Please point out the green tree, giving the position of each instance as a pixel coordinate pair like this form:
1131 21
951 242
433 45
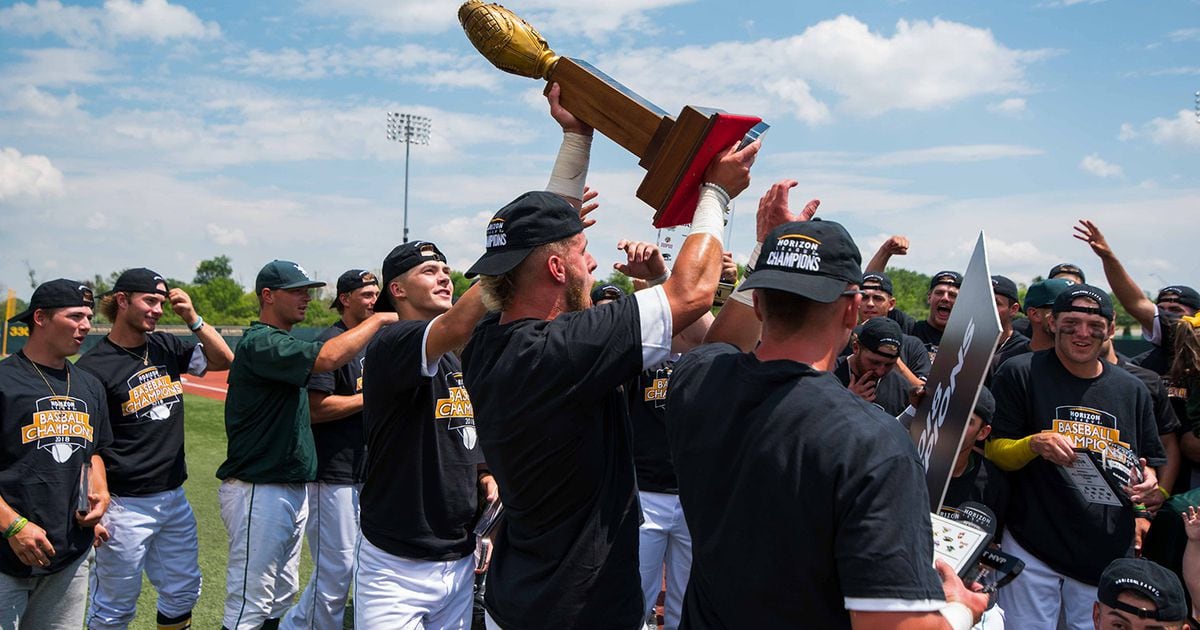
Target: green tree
911 289
461 284
213 269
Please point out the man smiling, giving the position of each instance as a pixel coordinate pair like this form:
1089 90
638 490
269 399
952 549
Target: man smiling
271 454
1056 409
943 292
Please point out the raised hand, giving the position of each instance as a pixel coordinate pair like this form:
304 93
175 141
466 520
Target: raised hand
1191 523
895 246
730 169
564 118
589 204
181 303
644 260
1087 232
773 209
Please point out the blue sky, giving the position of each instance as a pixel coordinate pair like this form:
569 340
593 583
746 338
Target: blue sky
148 133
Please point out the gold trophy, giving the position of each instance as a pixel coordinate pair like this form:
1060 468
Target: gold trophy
675 151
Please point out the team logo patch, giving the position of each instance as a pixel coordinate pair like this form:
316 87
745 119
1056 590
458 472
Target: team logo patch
495 234
656 394
302 271
152 395
457 410
358 381
60 425
796 251
1096 431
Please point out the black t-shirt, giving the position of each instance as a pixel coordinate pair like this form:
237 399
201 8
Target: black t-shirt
145 409
798 494
912 353
905 320
647 396
1164 414
555 431
1111 414
421 493
1015 344
981 482
47 438
930 336
341 446
891 391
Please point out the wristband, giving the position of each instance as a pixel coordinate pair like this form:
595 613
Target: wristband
196 325
16 527
653 282
1166 495
959 616
723 194
709 217
571 166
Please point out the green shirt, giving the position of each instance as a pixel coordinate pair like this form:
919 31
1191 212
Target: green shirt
267 423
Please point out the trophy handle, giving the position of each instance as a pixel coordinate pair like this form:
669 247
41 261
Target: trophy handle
614 110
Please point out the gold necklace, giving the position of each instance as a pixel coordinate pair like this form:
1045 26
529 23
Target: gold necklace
66 367
145 353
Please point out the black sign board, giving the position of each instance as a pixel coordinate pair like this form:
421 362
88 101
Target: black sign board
962 361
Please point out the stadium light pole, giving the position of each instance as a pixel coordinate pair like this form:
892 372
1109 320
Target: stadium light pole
409 129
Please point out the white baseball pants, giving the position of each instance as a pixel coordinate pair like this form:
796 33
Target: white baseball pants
403 594
1033 599
664 538
332 534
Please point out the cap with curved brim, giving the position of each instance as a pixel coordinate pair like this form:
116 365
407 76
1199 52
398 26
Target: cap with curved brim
813 287
311 284
500 262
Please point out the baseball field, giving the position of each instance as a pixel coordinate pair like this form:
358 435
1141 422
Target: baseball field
205 427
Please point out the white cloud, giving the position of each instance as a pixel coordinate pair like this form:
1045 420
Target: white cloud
225 236
923 65
1068 3
1184 35
1096 166
57 67
39 102
558 20
1008 107
952 154
411 62
117 20
1181 131
29 177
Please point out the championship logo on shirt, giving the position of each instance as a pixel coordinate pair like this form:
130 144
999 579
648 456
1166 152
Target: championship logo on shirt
1176 389
657 392
1096 431
61 425
152 395
358 381
457 410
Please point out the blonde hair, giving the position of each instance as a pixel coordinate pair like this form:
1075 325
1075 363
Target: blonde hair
107 307
499 292
1186 363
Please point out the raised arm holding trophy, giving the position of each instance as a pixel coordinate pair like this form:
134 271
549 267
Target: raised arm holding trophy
674 150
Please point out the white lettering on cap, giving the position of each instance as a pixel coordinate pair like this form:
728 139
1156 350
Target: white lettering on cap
495 234
796 251
302 271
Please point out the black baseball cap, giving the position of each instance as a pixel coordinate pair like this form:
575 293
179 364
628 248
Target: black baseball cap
1186 296
1003 286
1103 308
952 278
352 280
877 280
1070 268
1148 579
533 219
139 280
283 274
985 405
812 259
607 292
402 258
1042 294
882 336
60 293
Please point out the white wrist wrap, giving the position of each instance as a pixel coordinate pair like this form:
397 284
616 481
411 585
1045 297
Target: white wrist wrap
958 615
571 166
710 213
653 282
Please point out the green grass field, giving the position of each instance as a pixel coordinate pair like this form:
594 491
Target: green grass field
205 428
